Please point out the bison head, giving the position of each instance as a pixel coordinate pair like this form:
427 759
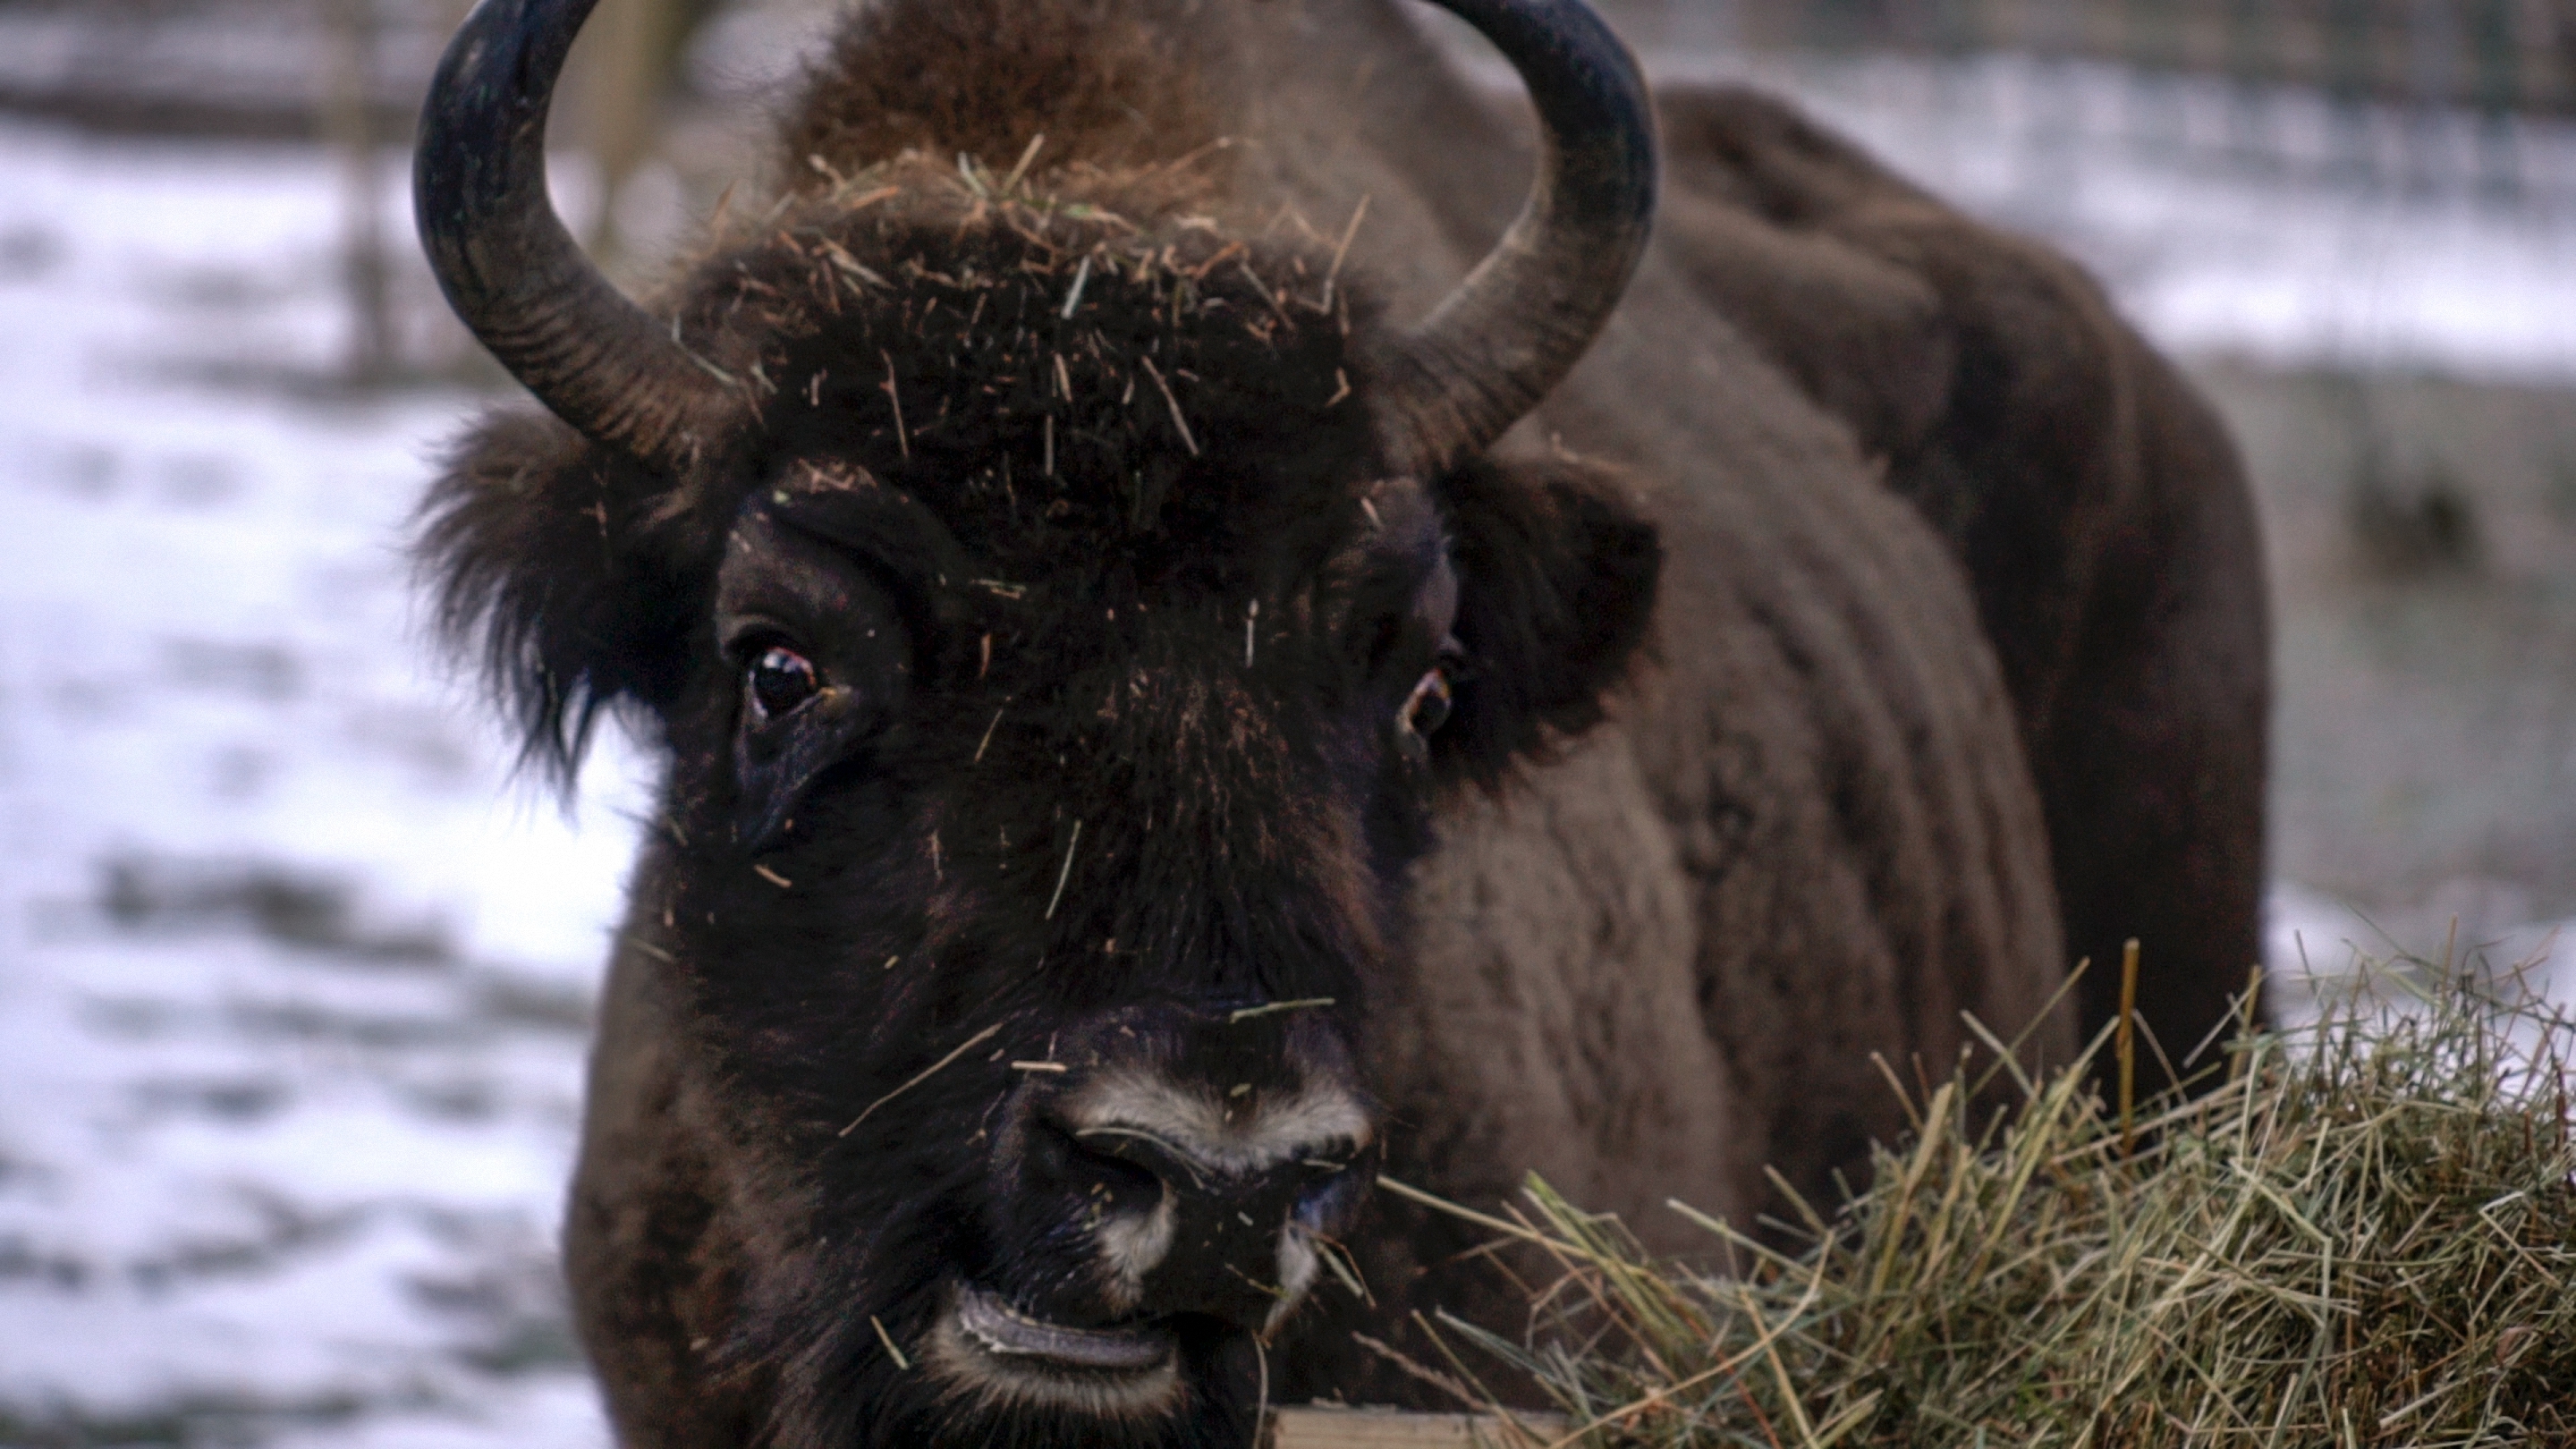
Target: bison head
1063 618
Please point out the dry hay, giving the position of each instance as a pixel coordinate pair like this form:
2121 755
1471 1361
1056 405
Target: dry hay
2364 1234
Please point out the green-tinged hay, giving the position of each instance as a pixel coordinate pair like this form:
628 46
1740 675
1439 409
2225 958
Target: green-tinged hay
2365 1235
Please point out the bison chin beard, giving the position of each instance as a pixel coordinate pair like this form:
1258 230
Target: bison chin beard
954 1389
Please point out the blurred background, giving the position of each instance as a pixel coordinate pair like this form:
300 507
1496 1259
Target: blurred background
294 974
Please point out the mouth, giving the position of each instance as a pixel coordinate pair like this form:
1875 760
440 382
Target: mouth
985 1320
989 1351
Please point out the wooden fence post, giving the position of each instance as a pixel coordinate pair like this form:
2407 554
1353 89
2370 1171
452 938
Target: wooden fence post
1323 1427
349 126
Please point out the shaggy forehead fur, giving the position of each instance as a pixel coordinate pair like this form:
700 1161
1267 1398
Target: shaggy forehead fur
1146 406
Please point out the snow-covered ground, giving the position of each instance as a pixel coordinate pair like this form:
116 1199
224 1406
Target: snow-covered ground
293 977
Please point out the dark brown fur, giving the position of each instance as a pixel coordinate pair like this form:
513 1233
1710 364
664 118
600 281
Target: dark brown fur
1121 89
1954 624
2094 498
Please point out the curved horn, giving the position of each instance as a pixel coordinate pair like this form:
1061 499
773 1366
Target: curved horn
510 270
1526 314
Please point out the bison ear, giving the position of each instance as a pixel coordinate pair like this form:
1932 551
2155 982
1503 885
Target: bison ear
1557 575
560 566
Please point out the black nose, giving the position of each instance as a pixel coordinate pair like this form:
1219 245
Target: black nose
1243 1237
1186 1162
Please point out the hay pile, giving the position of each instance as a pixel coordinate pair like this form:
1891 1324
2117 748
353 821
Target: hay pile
2364 1235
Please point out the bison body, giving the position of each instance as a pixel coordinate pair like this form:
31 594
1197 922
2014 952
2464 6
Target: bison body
1149 753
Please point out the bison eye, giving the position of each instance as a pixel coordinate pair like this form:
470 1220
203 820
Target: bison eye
780 680
1427 708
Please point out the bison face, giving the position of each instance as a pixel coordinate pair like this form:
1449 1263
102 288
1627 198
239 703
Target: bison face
1040 910
1060 674
1025 869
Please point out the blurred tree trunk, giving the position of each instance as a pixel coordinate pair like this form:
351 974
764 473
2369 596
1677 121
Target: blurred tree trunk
635 48
349 122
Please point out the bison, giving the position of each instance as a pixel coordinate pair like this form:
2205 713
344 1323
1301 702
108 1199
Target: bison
1201 659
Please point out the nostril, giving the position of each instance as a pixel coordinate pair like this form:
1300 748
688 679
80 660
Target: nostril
1121 1175
1099 1168
1145 1151
1331 1196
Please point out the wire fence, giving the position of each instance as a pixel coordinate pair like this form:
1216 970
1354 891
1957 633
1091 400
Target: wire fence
2404 95
2495 56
